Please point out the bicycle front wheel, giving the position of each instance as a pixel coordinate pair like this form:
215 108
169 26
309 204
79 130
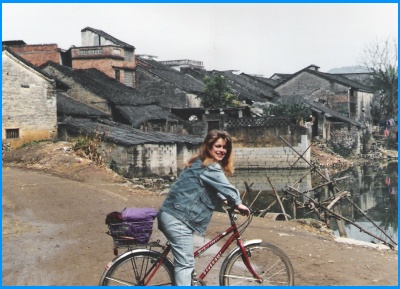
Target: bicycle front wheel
268 261
139 269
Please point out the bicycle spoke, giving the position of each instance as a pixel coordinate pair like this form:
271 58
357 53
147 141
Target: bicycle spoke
269 262
120 281
134 269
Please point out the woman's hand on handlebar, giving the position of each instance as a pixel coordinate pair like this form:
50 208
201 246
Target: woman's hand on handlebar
243 210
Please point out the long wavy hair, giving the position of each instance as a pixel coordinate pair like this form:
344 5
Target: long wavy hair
205 151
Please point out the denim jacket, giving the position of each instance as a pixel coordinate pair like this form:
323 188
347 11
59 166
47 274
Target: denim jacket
198 190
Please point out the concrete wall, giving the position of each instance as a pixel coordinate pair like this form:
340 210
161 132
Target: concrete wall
28 103
165 159
272 157
149 159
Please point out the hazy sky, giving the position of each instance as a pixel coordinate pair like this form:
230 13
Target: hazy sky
252 38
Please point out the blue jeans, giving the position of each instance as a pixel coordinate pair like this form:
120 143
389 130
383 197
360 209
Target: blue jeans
180 236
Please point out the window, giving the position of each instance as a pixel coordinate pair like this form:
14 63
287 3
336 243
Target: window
117 74
12 133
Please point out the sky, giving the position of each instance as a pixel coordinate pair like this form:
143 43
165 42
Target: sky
261 39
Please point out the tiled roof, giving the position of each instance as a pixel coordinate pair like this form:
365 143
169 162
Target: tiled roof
330 77
282 76
244 90
136 115
181 80
268 81
319 107
235 89
344 80
254 87
109 37
103 86
126 135
71 107
13 42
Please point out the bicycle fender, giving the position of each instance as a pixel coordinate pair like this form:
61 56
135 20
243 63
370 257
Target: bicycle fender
249 242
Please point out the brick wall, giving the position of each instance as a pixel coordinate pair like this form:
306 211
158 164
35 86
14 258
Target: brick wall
143 160
108 60
28 103
38 54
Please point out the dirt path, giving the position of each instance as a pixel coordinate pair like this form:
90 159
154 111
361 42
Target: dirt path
53 234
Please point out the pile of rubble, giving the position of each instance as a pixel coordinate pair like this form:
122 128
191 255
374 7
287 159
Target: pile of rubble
322 156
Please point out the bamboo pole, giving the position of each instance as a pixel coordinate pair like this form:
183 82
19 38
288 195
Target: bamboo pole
278 198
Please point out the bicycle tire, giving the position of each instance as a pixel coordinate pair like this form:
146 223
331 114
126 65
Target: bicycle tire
269 262
131 269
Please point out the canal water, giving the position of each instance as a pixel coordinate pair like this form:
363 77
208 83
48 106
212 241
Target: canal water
373 189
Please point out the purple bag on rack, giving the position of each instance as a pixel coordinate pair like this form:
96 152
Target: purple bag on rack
139 223
138 214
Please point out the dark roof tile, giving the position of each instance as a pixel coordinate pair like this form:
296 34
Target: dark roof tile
71 107
109 37
126 135
136 115
104 86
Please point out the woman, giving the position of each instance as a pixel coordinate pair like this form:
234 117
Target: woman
188 207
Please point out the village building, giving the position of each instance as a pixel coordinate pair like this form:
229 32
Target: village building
115 100
246 90
106 53
341 107
279 77
183 63
29 107
338 93
103 83
37 54
268 81
137 153
170 87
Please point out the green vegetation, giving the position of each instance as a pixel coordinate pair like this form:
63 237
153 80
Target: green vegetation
33 143
295 111
217 94
90 146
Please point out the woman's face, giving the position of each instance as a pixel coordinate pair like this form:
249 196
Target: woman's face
218 150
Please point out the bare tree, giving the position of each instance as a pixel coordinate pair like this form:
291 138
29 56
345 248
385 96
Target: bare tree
380 57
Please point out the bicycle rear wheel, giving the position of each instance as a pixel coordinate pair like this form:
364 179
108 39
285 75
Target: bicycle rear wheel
135 269
267 260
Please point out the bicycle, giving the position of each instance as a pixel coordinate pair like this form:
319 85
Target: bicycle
251 263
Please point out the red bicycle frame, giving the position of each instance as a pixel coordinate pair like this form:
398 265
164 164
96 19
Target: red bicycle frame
235 235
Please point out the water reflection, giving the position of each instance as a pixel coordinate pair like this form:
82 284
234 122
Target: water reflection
373 189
